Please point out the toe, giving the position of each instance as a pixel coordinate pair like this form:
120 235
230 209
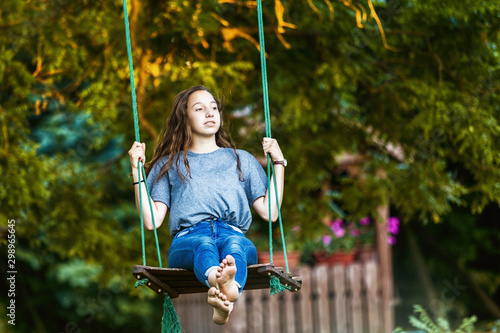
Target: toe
213 292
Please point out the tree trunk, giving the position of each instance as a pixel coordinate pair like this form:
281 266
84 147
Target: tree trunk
488 303
422 271
385 257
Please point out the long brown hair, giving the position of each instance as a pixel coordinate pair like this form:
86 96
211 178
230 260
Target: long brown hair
176 136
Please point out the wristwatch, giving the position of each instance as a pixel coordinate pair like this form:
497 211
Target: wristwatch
282 162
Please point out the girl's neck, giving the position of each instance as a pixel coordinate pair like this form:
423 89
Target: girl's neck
201 146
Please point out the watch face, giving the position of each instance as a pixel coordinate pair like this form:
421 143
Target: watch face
283 162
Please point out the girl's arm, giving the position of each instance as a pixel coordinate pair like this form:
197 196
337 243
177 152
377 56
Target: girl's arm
138 152
261 205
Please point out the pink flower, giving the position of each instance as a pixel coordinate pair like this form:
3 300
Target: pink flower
327 240
364 221
393 225
355 232
337 227
296 228
336 224
391 239
339 233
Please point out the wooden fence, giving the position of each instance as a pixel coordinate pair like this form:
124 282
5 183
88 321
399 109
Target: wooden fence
340 299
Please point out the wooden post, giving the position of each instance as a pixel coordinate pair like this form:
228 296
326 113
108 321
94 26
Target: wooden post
306 301
320 277
340 306
273 316
238 319
385 258
353 275
371 280
290 313
255 315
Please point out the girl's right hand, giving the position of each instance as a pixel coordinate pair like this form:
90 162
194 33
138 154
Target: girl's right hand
137 152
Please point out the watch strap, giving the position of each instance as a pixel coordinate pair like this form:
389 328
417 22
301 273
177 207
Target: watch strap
282 162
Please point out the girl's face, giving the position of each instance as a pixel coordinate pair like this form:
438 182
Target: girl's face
203 113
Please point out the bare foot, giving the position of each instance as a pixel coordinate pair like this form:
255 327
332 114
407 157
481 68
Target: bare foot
225 279
222 307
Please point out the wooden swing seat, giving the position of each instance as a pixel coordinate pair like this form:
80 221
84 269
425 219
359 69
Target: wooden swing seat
177 281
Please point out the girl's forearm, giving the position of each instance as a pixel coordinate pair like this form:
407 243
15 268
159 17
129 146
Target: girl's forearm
140 189
279 174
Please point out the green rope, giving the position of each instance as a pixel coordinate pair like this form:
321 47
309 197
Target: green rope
142 216
140 166
141 282
275 284
131 70
169 320
265 90
152 217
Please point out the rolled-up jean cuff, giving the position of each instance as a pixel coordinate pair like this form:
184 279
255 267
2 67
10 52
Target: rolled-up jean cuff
240 290
206 275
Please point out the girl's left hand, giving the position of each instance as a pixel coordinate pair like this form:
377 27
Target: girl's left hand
272 147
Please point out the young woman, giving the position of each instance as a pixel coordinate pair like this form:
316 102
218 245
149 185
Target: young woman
208 186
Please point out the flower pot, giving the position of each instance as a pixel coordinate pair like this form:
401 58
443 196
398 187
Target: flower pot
279 258
337 258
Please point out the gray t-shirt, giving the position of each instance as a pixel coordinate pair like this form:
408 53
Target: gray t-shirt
213 191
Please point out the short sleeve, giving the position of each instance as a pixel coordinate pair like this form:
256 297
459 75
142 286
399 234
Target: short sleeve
255 180
159 190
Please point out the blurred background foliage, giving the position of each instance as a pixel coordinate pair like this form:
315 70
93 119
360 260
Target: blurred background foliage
409 87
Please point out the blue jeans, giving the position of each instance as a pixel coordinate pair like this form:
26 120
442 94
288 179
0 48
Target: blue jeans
202 247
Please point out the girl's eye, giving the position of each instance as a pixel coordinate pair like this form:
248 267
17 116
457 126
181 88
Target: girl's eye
199 109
